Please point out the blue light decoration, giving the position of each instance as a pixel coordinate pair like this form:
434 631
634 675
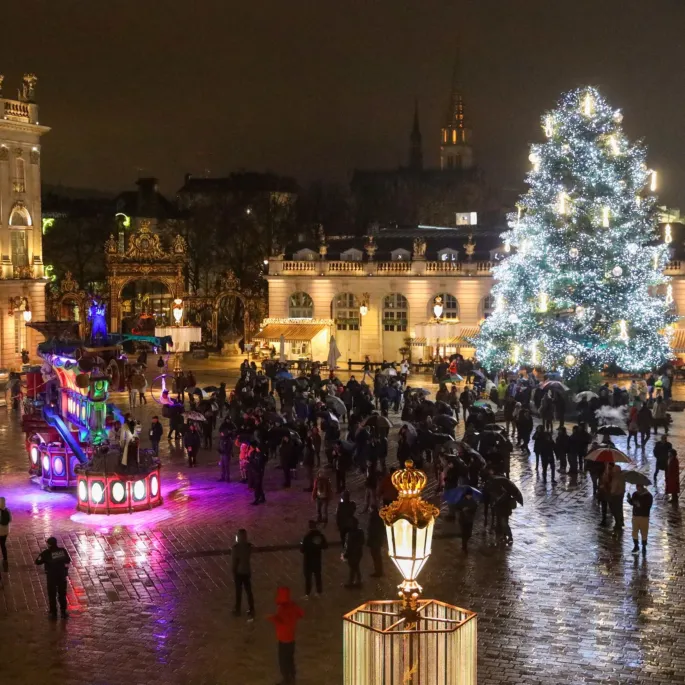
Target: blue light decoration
583 284
97 317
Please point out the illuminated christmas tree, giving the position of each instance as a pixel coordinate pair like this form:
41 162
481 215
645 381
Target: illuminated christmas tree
583 283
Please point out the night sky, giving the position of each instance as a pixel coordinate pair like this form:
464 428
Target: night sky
315 88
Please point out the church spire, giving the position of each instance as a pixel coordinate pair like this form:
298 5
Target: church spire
415 143
455 144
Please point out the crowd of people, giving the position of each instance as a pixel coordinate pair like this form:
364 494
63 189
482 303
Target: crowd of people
317 430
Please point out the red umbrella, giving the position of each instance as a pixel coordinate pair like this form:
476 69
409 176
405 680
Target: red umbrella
607 455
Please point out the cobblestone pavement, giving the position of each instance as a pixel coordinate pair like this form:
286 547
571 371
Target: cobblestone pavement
151 594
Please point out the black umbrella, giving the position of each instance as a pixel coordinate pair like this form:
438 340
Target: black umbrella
274 417
439 438
444 408
445 422
611 430
509 487
378 421
211 388
495 427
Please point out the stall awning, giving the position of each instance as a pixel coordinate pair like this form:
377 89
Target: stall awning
678 340
460 340
292 332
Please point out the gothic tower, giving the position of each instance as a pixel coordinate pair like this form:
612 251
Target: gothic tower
455 142
415 144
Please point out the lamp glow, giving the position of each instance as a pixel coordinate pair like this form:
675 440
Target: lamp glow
437 307
178 310
27 315
653 184
409 524
605 217
668 235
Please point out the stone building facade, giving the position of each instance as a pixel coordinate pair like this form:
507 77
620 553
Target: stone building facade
22 277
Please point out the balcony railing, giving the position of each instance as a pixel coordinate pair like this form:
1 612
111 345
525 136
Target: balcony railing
443 267
345 267
299 266
417 267
393 267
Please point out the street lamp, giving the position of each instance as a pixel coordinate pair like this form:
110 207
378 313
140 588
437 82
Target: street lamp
437 307
178 310
27 314
364 306
411 640
409 523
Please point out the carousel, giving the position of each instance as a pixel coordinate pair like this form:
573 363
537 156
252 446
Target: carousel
75 437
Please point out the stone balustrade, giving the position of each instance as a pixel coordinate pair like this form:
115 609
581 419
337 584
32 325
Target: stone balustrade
418 267
674 267
14 110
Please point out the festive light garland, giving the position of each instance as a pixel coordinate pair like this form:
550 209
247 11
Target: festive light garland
584 280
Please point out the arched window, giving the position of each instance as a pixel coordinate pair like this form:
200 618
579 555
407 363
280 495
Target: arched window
395 312
20 216
346 312
449 304
300 306
19 248
487 306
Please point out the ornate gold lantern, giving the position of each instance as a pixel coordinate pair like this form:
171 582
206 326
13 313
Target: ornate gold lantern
409 525
409 641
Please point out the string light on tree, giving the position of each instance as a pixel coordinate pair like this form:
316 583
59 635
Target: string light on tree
543 302
669 295
592 175
570 360
535 161
668 235
623 330
605 217
652 183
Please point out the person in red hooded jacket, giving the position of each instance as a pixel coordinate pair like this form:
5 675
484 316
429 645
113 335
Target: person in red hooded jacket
285 620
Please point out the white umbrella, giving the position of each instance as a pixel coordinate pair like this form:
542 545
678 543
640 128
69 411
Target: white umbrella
389 371
281 344
587 394
333 354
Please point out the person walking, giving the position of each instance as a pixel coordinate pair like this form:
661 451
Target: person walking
258 459
321 494
641 501
312 546
241 555
467 514
644 423
191 441
633 426
604 489
56 561
660 415
673 477
353 552
546 448
375 541
616 494
156 432
370 487
226 433
344 515
285 453
285 621
662 448
5 521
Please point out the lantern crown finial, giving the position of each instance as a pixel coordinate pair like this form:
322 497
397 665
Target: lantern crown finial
409 481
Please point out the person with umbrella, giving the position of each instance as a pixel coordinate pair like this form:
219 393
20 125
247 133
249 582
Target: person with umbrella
662 449
524 427
503 507
191 441
673 477
641 502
